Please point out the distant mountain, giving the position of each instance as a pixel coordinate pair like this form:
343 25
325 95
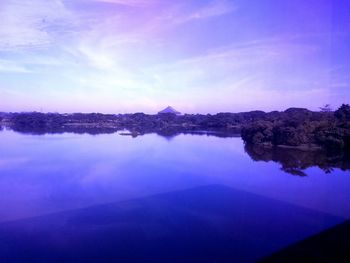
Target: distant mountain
169 109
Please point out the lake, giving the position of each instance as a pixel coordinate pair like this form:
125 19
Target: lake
187 198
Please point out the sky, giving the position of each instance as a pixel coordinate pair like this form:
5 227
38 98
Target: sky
199 56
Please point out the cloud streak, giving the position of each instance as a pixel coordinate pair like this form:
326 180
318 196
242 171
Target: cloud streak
131 3
213 9
7 66
29 24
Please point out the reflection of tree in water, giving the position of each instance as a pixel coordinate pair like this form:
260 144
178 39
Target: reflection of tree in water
168 132
76 130
296 161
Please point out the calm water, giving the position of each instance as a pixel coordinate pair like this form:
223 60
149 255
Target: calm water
189 198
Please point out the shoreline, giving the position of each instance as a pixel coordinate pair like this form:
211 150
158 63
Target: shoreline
294 128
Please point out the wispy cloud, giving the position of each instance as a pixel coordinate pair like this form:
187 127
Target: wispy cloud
133 3
29 24
212 9
8 66
246 72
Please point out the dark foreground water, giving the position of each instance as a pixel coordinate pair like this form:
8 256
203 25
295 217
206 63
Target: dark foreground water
189 198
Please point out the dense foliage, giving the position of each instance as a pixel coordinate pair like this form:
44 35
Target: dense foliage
303 128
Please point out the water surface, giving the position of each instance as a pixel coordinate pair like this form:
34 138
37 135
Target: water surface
60 189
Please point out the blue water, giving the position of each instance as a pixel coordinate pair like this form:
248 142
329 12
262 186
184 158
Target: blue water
191 198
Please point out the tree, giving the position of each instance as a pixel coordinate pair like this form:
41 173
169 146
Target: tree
343 113
326 108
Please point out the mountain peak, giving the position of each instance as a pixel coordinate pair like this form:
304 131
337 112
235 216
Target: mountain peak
169 109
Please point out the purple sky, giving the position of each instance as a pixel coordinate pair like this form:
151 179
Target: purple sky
196 55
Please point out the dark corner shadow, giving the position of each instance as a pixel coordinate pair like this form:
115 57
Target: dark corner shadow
205 224
332 245
295 161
